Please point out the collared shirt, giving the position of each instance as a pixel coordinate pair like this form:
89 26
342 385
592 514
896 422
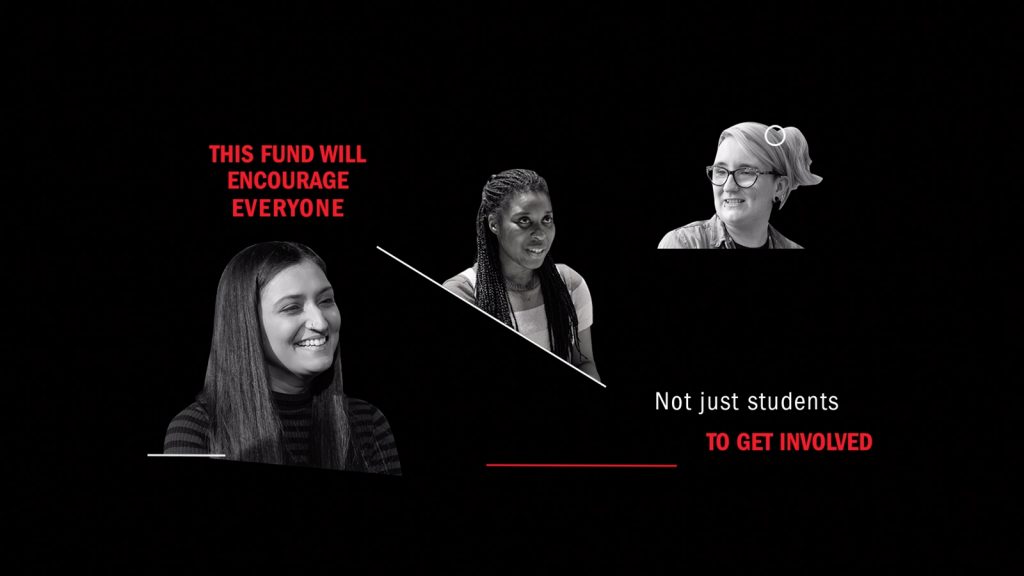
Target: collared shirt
713 234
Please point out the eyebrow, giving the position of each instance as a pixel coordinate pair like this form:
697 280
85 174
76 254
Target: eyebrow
297 296
722 164
529 213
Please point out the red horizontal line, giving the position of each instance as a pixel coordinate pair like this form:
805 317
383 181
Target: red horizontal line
581 465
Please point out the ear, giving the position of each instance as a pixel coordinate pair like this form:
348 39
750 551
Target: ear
781 191
492 222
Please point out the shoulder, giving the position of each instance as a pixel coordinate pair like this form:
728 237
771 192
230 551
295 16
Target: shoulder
463 285
580 294
689 236
189 431
371 432
783 242
362 411
194 415
572 278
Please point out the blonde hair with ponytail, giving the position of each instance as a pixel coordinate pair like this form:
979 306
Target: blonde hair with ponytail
790 159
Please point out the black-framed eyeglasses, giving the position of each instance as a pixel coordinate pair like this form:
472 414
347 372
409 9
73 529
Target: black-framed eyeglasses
744 177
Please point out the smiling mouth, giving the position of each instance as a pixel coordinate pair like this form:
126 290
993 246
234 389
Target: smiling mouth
312 343
536 251
733 201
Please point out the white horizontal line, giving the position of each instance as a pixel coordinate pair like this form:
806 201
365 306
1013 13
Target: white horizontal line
514 331
189 455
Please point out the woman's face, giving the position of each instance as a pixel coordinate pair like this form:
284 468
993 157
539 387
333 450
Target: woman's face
300 322
745 208
525 228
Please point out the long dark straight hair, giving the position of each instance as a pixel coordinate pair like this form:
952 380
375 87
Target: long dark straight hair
491 292
237 395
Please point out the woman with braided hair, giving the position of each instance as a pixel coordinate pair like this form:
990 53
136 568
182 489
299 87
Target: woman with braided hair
515 280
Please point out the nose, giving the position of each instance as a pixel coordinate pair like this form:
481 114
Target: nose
315 320
726 187
537 231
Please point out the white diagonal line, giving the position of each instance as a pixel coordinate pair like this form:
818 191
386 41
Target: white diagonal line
189 455
502 324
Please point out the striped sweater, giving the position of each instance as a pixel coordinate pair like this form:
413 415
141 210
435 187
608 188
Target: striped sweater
189 432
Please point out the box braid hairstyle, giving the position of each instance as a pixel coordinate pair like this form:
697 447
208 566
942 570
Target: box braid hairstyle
491 293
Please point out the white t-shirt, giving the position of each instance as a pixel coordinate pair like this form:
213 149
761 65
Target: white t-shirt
533 322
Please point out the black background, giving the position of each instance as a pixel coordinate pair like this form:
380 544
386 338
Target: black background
888 308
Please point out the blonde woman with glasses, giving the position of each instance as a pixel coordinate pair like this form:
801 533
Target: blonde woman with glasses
756 169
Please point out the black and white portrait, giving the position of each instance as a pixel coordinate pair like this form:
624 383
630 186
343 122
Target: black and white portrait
273 390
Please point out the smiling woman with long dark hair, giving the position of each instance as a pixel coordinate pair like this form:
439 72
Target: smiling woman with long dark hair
273 390
515 279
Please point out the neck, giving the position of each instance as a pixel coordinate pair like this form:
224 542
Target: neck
516 274
754 237
285 382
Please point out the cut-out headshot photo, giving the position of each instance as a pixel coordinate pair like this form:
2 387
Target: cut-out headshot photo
514 278
273 389
754 173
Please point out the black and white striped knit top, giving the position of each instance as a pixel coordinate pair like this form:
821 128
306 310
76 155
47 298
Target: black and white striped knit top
189 432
